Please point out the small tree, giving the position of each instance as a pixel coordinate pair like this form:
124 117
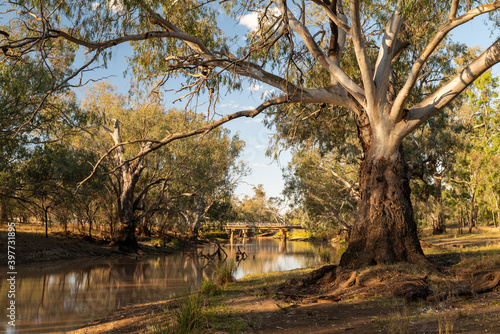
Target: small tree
183 176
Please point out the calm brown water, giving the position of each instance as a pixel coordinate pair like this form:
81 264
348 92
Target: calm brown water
61 297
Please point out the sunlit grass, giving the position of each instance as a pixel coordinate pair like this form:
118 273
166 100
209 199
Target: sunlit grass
189 317
479 244
301 235
481 235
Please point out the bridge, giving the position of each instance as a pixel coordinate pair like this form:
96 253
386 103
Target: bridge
249 228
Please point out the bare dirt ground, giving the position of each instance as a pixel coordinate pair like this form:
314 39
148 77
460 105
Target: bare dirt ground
463 298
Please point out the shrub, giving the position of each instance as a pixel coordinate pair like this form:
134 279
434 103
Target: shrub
209 288
225 271
188 318
175 243
325 255
301 235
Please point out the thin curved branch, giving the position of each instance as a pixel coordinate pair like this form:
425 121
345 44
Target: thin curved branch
397 109
47 95
192 41
348 185
155 145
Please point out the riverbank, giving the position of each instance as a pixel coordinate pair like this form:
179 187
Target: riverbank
379 299
32 246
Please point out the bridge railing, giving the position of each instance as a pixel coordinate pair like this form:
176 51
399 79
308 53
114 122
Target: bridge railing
259 224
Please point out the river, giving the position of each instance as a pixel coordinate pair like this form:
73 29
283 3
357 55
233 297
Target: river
55 298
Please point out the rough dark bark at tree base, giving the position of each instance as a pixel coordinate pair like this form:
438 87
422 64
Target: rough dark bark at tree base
125 239
386 231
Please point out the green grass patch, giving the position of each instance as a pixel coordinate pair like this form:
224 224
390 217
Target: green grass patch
265 280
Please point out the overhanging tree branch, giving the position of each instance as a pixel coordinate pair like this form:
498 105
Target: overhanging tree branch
397 108
155 145
421 112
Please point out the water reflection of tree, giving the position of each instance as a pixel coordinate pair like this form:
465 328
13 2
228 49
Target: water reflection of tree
60 296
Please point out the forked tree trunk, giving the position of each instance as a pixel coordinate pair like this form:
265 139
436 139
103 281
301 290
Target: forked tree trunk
128 178
386 231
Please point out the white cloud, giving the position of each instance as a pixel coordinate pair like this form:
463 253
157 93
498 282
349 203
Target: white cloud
255 88
260 146
229 105
253 120
268 93
95 5
256 164
251 21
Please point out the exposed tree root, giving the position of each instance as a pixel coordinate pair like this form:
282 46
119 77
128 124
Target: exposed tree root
487 282
402 281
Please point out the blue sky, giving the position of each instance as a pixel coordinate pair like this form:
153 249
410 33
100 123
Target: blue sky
264 170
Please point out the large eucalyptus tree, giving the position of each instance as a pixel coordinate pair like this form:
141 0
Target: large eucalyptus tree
345 54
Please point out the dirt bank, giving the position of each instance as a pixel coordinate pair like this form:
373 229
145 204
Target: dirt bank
33 247
462 298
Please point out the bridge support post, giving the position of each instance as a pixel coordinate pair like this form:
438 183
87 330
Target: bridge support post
283 233
283 241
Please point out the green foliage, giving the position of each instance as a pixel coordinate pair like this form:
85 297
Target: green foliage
474 176
300 234
279 235
194 173
175 243
257 208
